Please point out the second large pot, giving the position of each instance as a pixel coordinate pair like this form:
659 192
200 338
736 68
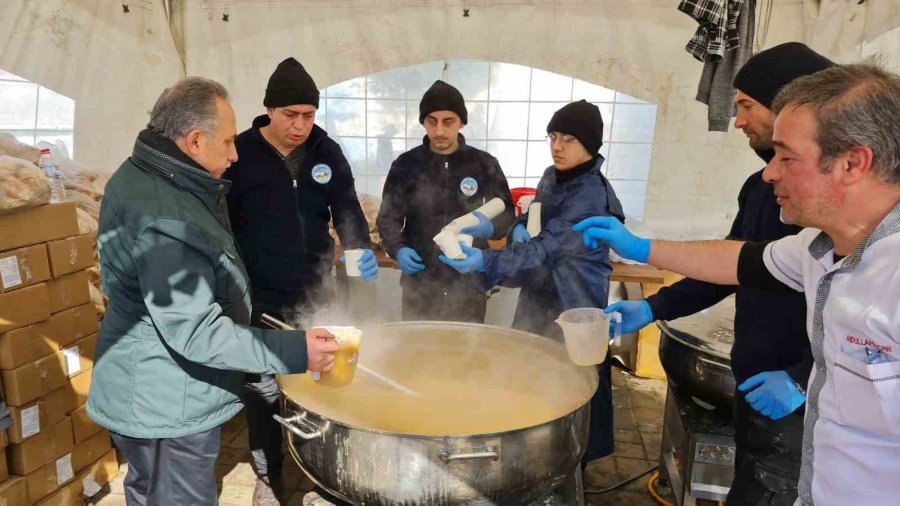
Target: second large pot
695 352
513 465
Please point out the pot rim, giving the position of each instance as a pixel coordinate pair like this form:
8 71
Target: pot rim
591 370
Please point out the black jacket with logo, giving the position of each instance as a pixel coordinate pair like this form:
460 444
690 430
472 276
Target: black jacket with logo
282 225
425 191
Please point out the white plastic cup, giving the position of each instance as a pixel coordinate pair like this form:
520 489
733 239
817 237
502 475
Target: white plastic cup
448 241
586 332
351 261
466 239
534 219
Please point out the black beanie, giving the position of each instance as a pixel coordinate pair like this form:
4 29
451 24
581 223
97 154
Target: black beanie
290 84
768 71
443 97
581 120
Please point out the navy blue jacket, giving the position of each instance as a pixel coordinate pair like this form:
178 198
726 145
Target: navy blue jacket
769 329
282 225
555 269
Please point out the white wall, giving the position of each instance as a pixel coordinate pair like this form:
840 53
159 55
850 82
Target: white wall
633 46
115 64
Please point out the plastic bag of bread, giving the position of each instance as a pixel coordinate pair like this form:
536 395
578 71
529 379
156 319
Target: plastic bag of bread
98 299
22 185
87 224
10 146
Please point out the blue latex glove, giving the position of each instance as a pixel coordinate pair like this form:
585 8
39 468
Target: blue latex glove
409 261
520 234
368 265
774 394
474 261
636 314
484 229
610 230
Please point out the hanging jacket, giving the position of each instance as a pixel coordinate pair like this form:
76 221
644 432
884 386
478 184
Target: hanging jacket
555 270
769 329
282 224
174 344
425 191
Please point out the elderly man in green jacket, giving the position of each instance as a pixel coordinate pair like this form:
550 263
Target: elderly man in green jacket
175 343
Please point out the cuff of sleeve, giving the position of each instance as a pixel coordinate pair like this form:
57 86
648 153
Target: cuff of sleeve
657 307
292 351
800 373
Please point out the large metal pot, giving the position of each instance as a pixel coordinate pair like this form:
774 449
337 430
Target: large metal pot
512 465
695 352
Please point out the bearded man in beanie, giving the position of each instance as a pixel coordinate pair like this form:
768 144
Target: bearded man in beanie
771 357
426 188
554 269
289 181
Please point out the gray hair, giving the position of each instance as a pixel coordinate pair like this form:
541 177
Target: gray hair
853 105
187 105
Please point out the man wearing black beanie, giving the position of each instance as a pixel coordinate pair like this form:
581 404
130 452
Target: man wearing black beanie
426 188
289 181
771 357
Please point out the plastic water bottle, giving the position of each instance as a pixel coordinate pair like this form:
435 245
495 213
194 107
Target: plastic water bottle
51 172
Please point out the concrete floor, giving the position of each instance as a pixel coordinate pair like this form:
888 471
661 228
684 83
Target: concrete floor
638 424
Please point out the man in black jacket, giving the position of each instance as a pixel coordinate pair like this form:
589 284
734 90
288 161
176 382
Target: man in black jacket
290 180
771 357
426 188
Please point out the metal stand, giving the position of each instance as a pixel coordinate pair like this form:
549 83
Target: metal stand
697 453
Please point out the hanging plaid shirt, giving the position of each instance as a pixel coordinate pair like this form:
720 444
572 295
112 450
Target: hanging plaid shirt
717 32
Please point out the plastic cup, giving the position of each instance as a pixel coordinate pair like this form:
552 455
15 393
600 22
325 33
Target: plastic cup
533 225
586 332
448 241
351 261
345 359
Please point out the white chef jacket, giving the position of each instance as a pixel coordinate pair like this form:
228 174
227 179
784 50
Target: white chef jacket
851 437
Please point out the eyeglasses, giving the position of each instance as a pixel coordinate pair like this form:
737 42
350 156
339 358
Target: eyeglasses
565 140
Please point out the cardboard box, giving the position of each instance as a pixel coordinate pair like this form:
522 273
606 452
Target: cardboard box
32 381
34 452
37 225
91 449
4 470
23 267
3 442
27 344
77 390
23 307
71 254
49 478
73 324
13 492
79 356
87 482
69 291
31 419
82 425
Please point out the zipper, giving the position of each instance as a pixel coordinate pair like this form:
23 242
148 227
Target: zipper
295 182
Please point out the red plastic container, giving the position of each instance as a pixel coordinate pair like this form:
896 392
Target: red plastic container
518 193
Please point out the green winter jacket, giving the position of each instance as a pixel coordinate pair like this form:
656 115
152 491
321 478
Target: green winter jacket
174 345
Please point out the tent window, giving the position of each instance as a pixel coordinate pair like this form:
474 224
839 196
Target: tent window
376 118
34 113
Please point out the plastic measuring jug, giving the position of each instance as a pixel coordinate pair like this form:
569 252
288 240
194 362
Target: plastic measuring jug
345 359
586 332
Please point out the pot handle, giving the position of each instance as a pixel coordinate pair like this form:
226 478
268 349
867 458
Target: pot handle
713 363
288 423
488 452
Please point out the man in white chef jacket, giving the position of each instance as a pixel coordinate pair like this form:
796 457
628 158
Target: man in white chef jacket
836 170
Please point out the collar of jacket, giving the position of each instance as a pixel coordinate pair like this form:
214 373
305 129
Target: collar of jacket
593 166
155 153
426 142
766 154
315 136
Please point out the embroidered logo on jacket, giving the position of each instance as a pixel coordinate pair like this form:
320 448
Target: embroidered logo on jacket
321 173
469 186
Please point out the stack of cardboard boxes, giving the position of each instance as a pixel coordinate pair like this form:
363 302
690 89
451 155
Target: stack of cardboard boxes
53 453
